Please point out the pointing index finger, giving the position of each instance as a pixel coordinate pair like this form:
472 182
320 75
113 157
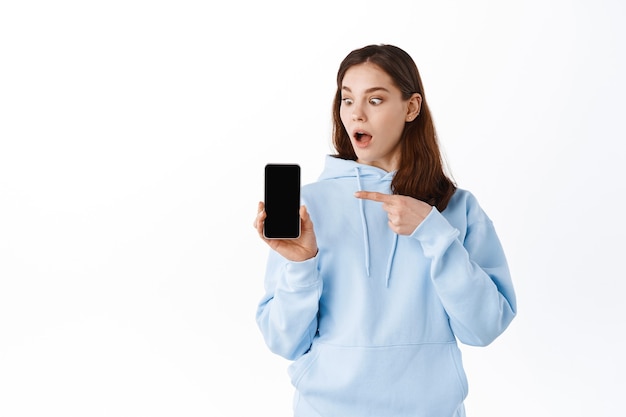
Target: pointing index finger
372 195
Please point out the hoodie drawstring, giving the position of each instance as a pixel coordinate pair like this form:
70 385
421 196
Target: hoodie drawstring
366 236
363 224
390 260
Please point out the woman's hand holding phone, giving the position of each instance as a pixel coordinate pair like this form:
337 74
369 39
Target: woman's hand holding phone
296 250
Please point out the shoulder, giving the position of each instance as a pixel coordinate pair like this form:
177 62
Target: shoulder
465 204
325 185
462 197
314 188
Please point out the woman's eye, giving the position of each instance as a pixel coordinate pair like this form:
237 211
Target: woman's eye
376 101
346 101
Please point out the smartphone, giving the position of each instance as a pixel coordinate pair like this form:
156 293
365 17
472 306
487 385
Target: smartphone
282 201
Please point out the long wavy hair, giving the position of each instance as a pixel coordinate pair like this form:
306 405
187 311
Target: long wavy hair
421 172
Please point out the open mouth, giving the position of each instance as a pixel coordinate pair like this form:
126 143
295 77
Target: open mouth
362 137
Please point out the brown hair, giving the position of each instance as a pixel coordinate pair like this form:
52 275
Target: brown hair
420 174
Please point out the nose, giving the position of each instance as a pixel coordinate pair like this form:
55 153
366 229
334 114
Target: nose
357 114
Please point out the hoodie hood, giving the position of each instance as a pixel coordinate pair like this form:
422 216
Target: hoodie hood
337 168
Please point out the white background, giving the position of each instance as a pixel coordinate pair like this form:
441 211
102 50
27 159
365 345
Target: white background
133 136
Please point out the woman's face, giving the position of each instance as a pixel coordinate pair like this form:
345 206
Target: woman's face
373 113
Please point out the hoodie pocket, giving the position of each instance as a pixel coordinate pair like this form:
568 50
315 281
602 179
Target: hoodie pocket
455 353
299 368
421 379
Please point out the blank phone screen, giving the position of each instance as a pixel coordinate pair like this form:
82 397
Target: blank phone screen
282 201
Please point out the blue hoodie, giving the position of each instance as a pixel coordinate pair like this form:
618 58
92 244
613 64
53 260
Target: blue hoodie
372 322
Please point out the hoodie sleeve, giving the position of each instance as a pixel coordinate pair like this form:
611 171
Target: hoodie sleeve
287 313
471 277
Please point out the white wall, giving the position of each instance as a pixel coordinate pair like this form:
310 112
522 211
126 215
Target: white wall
132 140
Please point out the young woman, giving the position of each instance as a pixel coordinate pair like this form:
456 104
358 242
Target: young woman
394 264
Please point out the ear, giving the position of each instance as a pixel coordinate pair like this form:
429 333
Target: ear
414 106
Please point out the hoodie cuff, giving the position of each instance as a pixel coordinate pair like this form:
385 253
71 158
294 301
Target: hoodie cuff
435 233
303 274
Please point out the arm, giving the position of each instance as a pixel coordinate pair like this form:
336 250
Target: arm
287 314
471 277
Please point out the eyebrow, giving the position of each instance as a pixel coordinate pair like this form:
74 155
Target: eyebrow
369 90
